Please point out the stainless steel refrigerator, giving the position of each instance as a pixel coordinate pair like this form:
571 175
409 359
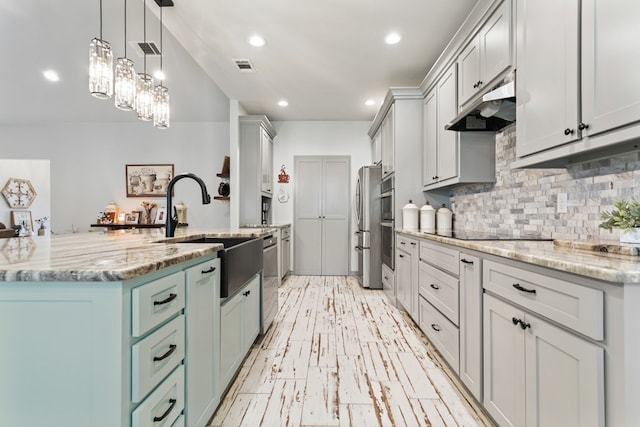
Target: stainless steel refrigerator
367 211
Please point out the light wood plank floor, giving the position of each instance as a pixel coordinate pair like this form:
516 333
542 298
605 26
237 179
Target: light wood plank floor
340 355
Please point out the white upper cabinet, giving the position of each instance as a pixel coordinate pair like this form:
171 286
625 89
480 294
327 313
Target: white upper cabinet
387 141
487 55
448 157
577 80
548 75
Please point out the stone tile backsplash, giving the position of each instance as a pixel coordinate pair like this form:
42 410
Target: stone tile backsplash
523 201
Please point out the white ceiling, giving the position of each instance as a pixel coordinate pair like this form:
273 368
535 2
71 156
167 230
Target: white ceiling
325 57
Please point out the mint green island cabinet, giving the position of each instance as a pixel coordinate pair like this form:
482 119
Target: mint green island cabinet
112 329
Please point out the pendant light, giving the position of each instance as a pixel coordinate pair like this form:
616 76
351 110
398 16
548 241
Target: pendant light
161 112
100 66
125 76
144 95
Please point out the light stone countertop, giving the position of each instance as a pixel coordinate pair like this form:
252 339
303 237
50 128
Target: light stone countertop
104 256
604 266
267 225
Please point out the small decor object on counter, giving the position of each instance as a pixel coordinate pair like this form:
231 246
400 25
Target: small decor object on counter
427 218
444 220
148 208
113 207
283 178
410 216
41 225
626 217
223 189
181 211
22 218
148 180
161 216
132 217
106 218
19 193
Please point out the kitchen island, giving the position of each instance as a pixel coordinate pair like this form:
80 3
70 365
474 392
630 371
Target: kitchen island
119 328
540 332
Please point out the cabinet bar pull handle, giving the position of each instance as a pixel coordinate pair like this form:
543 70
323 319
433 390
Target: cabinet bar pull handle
435 327
402 243
413 243
434 286
246 293
167 300
211 270
172 404
522 289
466 261
401 256
172 348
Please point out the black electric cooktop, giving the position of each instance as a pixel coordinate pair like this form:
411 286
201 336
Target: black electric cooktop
489 235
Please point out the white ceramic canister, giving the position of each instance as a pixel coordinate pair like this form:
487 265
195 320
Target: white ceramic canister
410 216
427 218
444 220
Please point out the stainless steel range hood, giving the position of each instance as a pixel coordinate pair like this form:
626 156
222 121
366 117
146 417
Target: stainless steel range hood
494 111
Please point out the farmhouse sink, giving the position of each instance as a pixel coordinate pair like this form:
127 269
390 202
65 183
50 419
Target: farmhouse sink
241 259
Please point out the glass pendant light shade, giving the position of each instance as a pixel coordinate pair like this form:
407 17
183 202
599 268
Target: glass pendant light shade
161 112
144 97
100 69
125 84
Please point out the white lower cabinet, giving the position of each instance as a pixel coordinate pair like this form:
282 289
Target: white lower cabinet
470 312
537 374
202 331
407 275
239 327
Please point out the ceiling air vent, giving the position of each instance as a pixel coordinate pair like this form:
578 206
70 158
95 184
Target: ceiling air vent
148 48
244 65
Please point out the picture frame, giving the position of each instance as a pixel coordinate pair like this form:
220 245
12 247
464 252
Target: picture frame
161 215
132 217
148 180
22 217
106 218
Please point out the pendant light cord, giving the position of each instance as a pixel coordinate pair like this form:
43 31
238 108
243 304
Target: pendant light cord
144 32
161 49
125 28
100 20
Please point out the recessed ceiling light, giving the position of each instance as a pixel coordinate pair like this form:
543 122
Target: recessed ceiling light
369 102
159 74
283 103
392 38
51 75
256 41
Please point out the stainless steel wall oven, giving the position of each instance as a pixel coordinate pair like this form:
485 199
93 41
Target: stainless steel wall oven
388 243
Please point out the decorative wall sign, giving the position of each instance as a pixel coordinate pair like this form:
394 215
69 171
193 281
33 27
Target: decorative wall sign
22 218
148 180
19 193
283 196
283 178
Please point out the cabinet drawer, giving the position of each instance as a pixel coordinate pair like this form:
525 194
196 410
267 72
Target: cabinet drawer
574 306
179 422
408 245
156 302
441 332
153 358
164 405
444 258
440 289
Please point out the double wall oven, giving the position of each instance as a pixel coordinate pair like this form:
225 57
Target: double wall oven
387 223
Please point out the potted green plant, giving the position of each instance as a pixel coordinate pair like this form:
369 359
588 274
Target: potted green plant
626 217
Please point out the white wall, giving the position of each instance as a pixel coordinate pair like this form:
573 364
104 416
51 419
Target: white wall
317 139
88 165
37 172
